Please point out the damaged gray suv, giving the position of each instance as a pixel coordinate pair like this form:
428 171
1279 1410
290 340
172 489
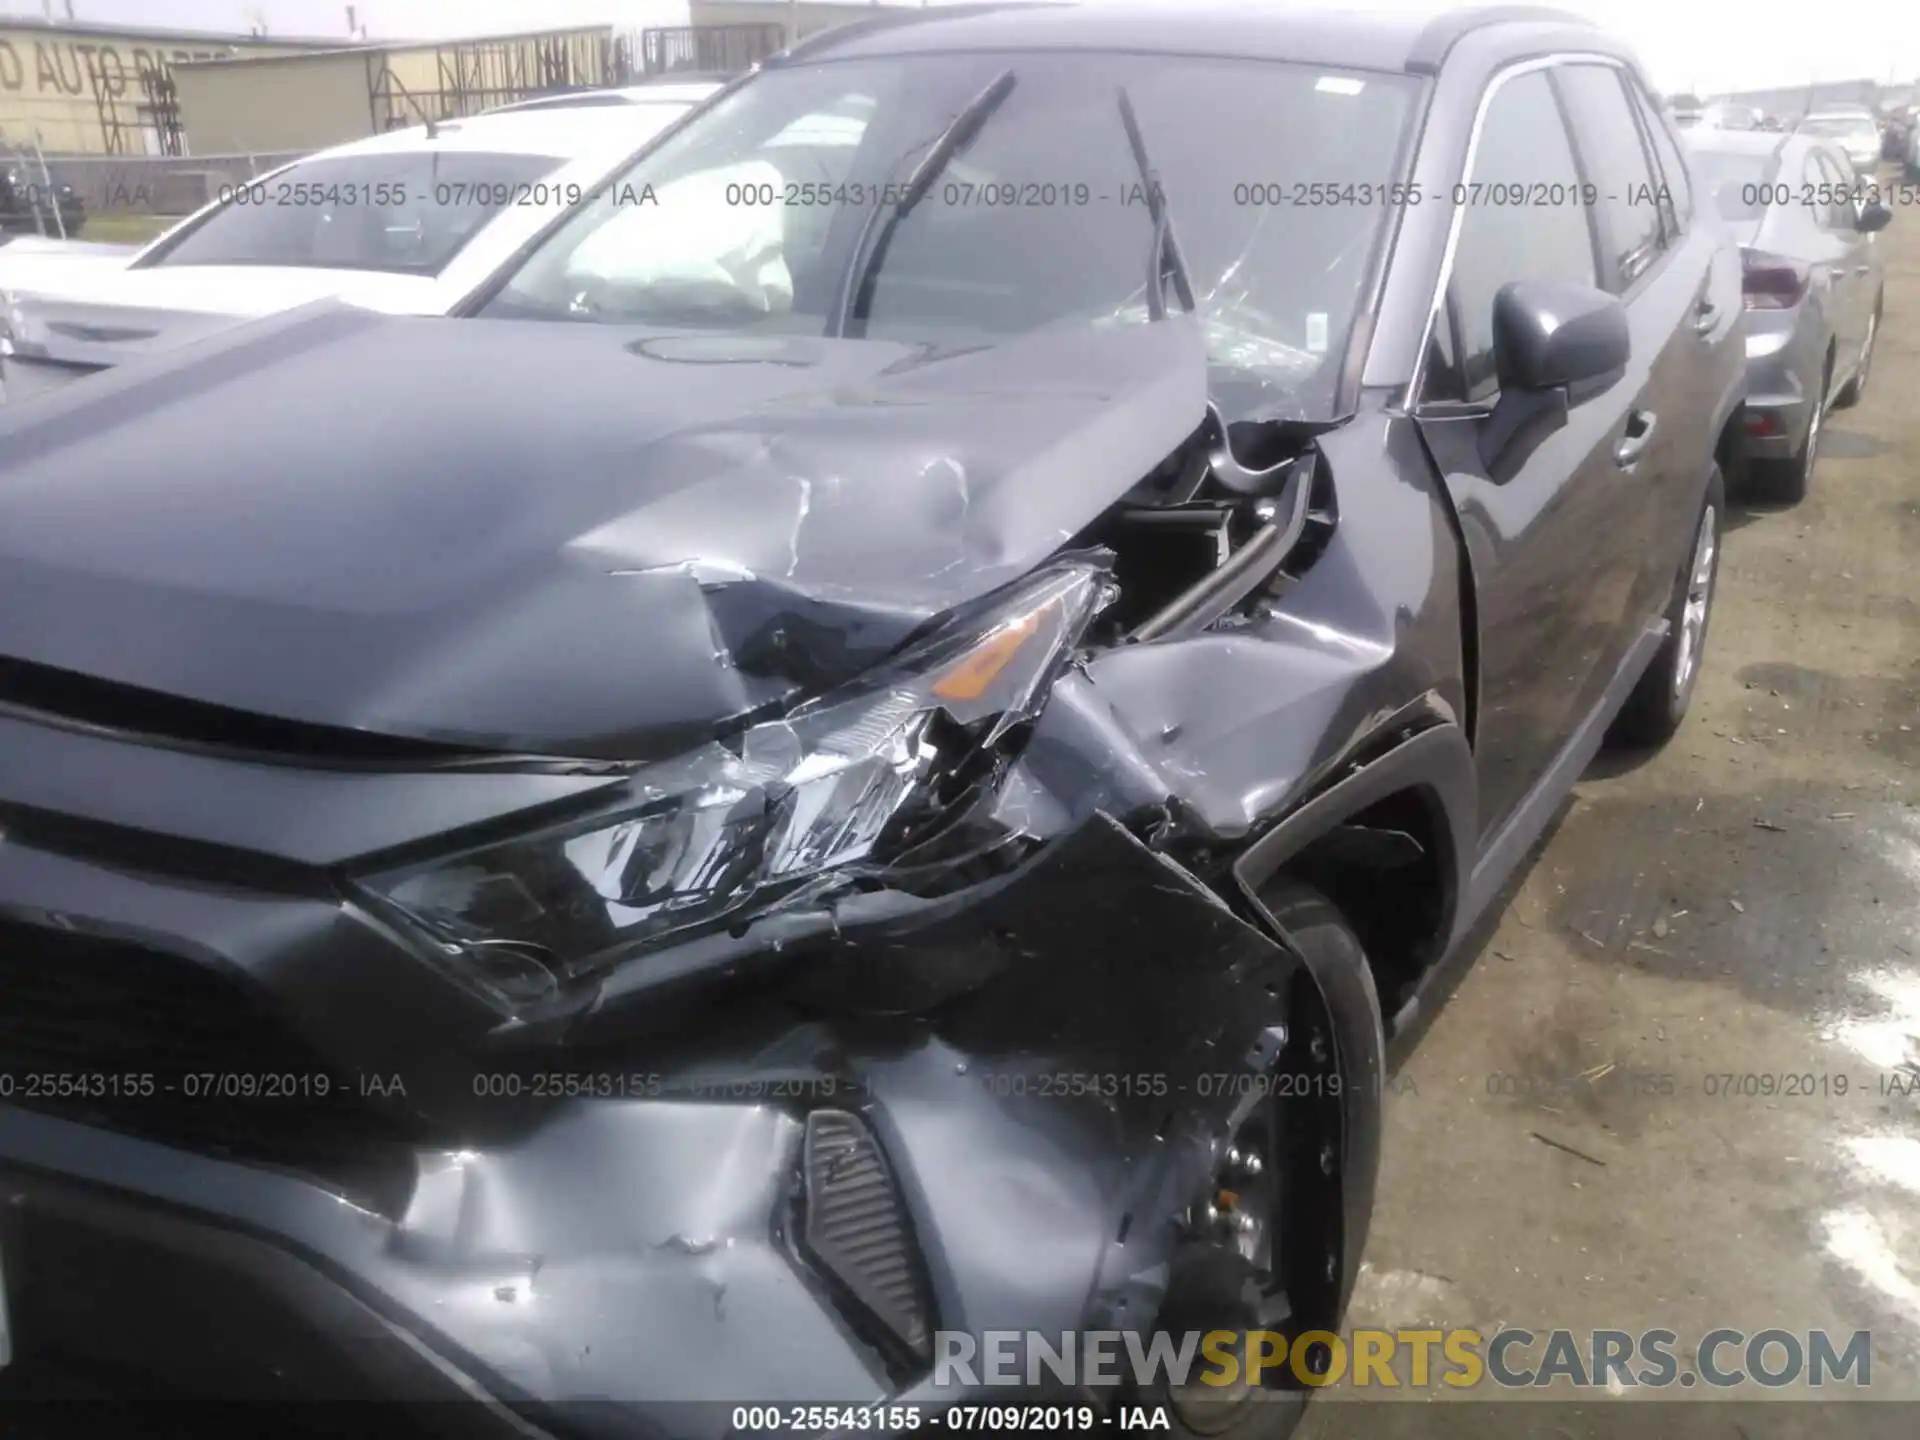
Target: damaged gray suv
884 744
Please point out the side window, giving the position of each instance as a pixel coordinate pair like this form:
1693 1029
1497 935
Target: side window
1616 163
1523 154
1816 185
1673 169
1839 188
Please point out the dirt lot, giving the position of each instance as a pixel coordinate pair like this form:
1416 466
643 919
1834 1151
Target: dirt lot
1743 904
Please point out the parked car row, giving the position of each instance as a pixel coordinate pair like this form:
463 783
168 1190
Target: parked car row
1847 124
909 616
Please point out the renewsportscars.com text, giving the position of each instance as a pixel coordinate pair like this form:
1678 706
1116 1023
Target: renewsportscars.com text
1510 1358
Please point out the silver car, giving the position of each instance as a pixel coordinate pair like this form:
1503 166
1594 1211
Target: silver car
1852 129
1811 283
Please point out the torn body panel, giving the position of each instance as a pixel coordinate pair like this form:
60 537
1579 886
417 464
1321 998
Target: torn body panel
1044 1133
1243 722
695 529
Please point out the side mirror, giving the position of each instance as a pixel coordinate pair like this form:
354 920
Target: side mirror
1875 217
1548 335
1554 344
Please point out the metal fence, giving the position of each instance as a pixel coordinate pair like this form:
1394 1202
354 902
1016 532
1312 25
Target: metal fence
708 49
473 76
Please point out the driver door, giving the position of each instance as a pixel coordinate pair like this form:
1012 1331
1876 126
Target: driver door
1552 542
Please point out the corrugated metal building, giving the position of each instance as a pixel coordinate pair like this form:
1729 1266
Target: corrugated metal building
326 96
308 101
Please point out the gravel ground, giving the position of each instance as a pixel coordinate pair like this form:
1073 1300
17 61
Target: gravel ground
1708 985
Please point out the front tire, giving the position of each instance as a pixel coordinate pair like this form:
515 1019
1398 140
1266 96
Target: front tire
1340 1018
1658 704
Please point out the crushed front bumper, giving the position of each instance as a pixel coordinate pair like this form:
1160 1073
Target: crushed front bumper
654 1242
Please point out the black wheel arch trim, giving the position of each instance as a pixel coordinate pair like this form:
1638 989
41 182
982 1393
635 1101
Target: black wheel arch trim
1437 764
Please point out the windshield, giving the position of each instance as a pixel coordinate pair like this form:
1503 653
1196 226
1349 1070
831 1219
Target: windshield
407 212
1277 177
1735 180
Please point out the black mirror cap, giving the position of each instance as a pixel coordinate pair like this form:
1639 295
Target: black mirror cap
1875 217
1550 334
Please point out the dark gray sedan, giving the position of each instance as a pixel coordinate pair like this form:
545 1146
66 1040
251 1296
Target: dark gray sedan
1811 278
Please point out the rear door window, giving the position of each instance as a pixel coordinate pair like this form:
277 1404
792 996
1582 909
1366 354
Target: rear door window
1615 157
1842 189
1672 168
1827 191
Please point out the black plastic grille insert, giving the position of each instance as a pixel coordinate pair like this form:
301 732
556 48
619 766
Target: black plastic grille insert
124 1037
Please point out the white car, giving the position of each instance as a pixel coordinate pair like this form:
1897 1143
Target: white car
408 222
1853 129
22 256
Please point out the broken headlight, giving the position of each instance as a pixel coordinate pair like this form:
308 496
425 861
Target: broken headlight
837 788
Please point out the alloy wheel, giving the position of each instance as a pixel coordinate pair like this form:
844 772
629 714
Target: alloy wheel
1700 578
1810 451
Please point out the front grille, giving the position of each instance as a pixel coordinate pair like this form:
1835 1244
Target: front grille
151 1044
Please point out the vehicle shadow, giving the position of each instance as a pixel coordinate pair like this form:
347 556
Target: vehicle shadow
1744 509
1617 760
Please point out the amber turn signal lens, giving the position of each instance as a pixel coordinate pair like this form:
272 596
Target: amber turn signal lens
979 668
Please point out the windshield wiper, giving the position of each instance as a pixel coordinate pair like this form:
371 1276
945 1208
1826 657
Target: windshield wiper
1166 262
856 296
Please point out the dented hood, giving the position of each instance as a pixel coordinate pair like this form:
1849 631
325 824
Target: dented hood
569 539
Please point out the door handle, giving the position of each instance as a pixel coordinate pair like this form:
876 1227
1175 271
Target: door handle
1640 425
1863 269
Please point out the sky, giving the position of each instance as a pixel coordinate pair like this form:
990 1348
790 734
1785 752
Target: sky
1694 45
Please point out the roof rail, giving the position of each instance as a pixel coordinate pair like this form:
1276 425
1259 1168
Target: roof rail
1432 45
886 20
678 77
